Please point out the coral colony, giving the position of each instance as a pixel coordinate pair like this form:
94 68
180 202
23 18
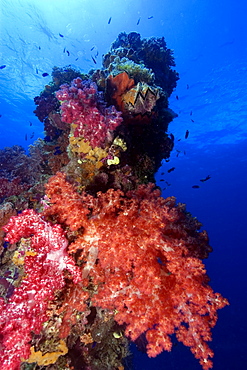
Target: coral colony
92 256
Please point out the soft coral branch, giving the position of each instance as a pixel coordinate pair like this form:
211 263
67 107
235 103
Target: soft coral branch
146 264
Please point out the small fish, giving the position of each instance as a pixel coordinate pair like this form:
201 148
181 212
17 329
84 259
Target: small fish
162 173
187 87
30 123
138 21
37 70
179 139
45 74
162 180
191 113
92 48
39 48
172 137
76 59
150 17
206 178
167 183
64 50
109 20
178 152
96 54
3 66
61 35
186 134
93 60
192 120
26 137
184 152
167 160
67 51
177 97
32 135
195 186
0 115
171 169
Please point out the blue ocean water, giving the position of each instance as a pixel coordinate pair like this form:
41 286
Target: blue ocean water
210 49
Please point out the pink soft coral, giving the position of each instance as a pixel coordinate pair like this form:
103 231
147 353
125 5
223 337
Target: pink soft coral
82 106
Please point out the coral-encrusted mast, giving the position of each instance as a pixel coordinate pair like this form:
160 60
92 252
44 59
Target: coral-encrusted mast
96 260
25 311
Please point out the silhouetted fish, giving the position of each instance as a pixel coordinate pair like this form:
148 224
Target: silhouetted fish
171 169
195 186
93 60
186 134
37 70
187 87
150 17
0 115
92 48
45 74
30 123
3 66
67 51
191 113
32 135
64 50
138 21
192 120
61 35
109 20
26 137
206 178
177 97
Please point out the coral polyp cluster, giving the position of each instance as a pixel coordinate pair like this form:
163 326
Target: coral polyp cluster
93 256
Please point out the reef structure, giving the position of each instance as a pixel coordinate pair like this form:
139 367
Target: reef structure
96 256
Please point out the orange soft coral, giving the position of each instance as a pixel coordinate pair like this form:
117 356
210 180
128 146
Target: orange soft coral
143 252
120 84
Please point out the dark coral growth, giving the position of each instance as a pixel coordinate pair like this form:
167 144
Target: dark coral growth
152 52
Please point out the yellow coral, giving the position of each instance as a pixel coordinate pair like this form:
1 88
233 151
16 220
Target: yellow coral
115 160
121 143
79 145
48 358
23 250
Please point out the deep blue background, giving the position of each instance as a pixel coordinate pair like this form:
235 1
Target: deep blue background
210 47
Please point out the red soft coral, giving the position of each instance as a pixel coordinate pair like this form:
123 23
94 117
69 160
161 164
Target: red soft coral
25 311
142 252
